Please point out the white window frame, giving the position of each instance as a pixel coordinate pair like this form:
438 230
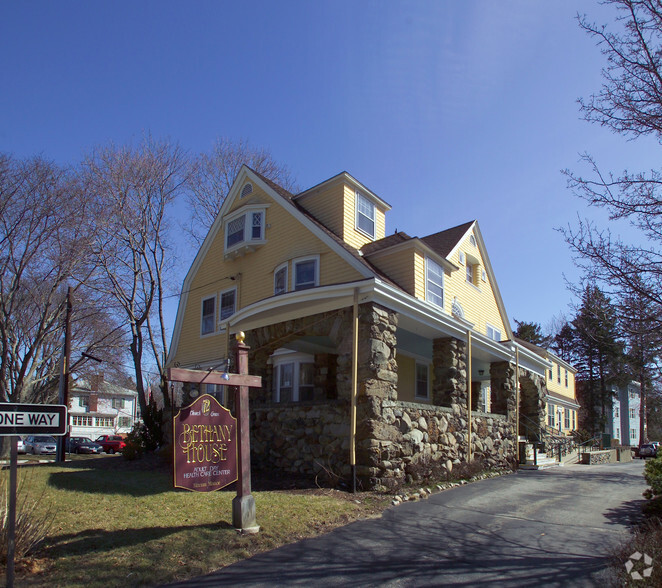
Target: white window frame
246 213
428 293
426 366
284 357
470 273
300 260
550 414
633 414
204 333
117 403
369 208
633 434
495 334
222 319
282 267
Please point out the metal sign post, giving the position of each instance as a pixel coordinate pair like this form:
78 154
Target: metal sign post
25 419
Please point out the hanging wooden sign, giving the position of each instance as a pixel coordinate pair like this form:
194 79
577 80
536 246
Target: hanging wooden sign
205 446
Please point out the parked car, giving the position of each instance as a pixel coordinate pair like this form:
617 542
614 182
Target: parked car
38 444
82 445
20 445
647 450
111 443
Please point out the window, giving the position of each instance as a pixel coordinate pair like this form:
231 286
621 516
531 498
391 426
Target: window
365 215
558 374
633 434
294 377
566 378
617 433
82 421
551 373
247 227
574 419
306 273
124 422
470 273
84 401
550 414
566 420
616 411
632 413
208 324
280 280
493 333
228 303
422 381
217 391
118 403
434 291
104 422
472 240
246 190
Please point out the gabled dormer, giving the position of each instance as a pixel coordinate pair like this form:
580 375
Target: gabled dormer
347 208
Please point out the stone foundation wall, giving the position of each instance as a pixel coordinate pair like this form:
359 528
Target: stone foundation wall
598 457
301 438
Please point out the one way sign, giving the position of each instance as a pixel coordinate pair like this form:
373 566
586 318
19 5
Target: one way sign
26 419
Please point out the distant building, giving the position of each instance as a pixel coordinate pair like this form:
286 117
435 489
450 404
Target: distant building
101 408
624 424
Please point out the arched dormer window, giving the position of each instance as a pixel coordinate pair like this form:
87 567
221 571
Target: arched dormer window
246 190
456 309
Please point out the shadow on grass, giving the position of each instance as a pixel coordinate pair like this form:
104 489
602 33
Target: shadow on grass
95 540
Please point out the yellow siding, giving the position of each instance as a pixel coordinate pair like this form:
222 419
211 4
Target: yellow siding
351 235
419 273
254 275
399 266
553 384
326 205
406 378
478 301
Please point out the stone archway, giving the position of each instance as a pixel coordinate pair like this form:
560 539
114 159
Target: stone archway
532 403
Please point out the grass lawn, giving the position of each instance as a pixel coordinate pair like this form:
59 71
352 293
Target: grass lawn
121 523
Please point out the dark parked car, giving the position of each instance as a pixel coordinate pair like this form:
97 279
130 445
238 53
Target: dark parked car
38 444
111 443
82 445
647 450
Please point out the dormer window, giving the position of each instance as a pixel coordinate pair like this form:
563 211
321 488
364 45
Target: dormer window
246 229
365 215
434 289
280 279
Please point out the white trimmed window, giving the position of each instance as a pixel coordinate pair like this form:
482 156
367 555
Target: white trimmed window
124 422
493 333
616 412
422 381
550 414
566 378
633 434
84 401
118 403
104 421
566 422
632 413
558 374
208 322
305 272
294 376
82 421
228 303
365 215
434 289
247 227
470 273
280 279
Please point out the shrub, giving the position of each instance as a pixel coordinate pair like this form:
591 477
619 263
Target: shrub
34 517
653 475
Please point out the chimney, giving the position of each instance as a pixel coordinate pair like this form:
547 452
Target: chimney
96 381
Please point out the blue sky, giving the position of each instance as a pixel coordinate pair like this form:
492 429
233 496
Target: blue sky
450 111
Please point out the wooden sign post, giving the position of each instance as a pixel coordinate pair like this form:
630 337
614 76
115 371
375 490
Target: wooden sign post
243 505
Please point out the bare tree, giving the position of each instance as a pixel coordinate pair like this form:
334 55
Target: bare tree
45 233
629 103
212 176
134 188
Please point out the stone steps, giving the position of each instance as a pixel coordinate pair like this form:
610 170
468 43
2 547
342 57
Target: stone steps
543 462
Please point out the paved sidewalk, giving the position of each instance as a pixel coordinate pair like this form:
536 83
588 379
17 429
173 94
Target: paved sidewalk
538 528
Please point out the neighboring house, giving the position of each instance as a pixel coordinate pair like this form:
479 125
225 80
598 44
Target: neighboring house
624 424
101 408
310 276
561 406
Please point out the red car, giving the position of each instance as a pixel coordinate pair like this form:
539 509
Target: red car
111 443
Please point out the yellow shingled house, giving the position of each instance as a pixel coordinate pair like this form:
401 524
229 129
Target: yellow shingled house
388 357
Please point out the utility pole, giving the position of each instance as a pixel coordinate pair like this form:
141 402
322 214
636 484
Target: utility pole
64 374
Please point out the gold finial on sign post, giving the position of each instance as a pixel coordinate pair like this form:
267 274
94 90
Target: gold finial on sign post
240 336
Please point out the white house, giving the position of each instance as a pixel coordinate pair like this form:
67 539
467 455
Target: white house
624 423
101 408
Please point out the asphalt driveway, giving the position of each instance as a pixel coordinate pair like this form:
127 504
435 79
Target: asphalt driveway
539 528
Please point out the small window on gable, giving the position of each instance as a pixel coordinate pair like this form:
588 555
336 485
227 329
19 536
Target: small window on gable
472 240
306 273
462 257
365 215
208 324
566 378
434 289
493 333
280 279
470 273
558 374
422 381
244 229
456 309
246 190
483 275
228 303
